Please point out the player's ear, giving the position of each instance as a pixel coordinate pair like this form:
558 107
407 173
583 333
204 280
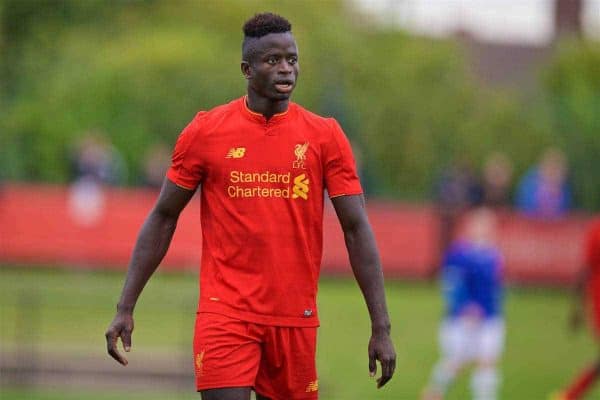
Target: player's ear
246 69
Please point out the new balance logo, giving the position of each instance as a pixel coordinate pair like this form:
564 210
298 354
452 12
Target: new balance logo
236 152
300 188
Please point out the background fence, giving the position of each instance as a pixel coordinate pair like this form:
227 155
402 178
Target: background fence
50 229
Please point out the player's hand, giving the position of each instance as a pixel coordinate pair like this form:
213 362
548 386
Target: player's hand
120 327
381 349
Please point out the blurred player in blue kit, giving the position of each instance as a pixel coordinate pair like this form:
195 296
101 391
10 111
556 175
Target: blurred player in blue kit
472 331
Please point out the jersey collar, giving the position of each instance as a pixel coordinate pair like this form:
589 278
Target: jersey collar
257 117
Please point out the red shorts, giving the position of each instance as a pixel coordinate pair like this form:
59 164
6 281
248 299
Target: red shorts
278 362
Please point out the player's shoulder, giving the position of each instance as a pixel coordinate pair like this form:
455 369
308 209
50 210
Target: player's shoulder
455 253
206 121
458 247
467 250
218 112
313 118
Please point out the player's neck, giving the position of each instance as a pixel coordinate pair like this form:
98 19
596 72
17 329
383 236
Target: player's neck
265 106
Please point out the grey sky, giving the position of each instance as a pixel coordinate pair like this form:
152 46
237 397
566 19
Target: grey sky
529 21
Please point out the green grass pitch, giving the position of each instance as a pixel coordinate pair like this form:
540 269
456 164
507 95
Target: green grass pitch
75 308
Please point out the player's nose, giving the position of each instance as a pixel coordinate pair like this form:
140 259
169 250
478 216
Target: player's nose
285 67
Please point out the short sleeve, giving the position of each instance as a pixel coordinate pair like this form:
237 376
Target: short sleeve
338 164
186 162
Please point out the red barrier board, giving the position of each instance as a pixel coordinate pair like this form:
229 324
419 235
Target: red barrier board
41 224
540 251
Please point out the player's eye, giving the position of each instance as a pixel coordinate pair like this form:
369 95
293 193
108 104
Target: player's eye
272 60
293 60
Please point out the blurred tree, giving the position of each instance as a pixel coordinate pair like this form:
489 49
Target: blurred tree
419 111
140 70
572 84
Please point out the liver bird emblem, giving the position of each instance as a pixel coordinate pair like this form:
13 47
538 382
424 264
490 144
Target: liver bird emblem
300 151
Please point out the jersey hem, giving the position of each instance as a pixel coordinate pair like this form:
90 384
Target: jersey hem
351 193
222 385
270 320
174 181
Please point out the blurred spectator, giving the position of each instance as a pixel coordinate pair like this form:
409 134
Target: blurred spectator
456 191
544 190
495 181
96 159
156 161
95 163
472 330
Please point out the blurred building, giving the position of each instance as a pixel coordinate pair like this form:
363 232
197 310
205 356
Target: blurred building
506 42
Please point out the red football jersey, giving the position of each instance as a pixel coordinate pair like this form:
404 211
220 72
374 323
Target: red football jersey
592 261
262 185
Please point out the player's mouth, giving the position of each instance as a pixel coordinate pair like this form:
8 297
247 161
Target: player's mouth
284 86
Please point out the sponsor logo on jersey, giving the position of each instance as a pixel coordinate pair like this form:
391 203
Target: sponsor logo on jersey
300 189
267 184
236 152
312 386
300 152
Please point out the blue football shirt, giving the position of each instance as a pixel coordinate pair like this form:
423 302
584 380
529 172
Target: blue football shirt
472 279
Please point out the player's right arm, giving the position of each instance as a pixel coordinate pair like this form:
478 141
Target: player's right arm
591 261
576 317
150 248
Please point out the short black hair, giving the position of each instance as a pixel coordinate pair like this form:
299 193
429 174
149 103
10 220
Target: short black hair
265 23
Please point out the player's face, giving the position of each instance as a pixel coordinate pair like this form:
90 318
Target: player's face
273 70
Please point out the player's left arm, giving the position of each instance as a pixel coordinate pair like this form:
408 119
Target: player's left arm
366 266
